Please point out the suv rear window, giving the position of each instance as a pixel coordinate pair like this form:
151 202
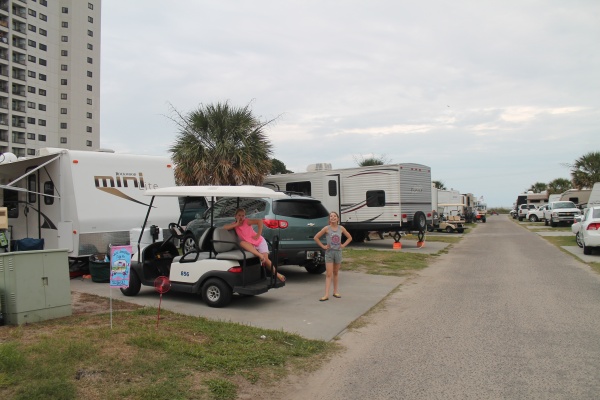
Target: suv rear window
306 209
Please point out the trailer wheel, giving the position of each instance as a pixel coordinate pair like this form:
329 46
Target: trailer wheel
134 285
216 293
420 221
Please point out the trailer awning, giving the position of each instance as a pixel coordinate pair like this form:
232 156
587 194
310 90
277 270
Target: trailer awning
8 169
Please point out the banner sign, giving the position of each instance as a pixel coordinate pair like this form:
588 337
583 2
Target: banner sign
120 264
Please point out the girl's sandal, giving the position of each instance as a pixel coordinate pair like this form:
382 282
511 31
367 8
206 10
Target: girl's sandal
324 299
337 295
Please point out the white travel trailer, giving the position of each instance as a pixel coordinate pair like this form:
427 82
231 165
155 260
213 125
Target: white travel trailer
83 201
382 198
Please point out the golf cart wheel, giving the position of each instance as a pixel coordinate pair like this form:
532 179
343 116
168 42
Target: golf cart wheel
449 229
578 240
134 285
216 293
188 243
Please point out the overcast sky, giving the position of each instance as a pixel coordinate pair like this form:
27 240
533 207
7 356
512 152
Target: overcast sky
494 96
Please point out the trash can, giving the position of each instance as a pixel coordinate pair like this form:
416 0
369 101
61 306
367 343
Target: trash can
100 268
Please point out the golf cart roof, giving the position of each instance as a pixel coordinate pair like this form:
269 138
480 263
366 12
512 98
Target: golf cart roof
217 191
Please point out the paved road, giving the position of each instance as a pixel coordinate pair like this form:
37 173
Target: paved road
504 315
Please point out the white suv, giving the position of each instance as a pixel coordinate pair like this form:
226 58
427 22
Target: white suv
523 210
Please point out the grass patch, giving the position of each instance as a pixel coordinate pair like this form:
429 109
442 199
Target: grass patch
186 357
383 262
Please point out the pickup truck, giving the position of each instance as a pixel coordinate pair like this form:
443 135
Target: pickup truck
560 212
537 214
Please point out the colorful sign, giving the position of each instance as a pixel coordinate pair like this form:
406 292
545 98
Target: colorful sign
120 264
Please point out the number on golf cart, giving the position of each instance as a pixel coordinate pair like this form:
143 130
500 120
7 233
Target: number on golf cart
185 273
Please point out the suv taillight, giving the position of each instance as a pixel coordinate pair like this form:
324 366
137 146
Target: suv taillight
275 223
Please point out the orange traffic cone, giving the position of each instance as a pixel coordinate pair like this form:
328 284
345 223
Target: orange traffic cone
397 246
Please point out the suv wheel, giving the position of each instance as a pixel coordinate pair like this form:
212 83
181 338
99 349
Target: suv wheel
313 268
533 218
188 243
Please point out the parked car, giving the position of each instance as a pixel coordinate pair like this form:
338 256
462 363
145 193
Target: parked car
575 229
560 212
589 229
537 214
296 219
523 210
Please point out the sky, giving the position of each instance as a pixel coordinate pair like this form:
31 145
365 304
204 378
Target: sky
493 96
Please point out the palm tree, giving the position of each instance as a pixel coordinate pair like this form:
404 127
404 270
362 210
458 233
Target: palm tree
219 144
538 187
278 167
586 170
371 160
559 185
439 185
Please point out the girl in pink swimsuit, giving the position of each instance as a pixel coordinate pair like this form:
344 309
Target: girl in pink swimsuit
250 240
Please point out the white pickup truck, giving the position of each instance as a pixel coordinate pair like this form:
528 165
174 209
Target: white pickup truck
560 212
536 214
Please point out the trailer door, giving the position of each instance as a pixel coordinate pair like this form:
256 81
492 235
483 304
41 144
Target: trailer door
331 193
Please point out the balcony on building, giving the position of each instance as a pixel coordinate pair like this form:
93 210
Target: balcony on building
4 102
19 42
3 135
18 73
19 58
3 119
18 105
18 122
19 11
19 26
3 86
3 53
3 69
17 89
4 5
18 137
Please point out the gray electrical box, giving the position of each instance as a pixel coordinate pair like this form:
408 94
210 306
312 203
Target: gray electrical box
34 286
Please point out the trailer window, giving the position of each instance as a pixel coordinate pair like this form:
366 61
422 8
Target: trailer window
299 187
48 189
11 202
375 198
31 187
332 186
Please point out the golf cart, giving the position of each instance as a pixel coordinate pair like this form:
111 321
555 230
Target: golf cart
217 269
450 218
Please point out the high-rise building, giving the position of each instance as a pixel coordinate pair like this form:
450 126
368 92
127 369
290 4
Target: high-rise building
49 75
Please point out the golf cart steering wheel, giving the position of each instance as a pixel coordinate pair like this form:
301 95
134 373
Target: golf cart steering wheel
176 230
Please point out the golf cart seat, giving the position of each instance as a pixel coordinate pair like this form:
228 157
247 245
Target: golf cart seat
203 253
227 246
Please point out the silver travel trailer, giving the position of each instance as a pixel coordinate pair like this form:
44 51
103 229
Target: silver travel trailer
381 198
83 201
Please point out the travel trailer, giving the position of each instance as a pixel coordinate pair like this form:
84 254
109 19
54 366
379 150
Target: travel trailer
83 201
380 198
